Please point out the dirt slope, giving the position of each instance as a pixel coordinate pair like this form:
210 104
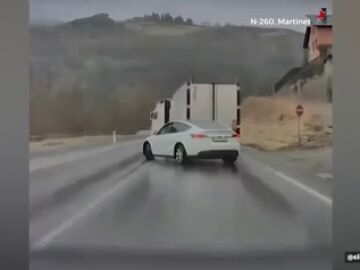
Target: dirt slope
270 123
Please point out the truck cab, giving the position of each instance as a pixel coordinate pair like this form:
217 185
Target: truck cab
160 115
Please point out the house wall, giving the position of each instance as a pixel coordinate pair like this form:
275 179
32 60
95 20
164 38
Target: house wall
325 36
320 38
313 51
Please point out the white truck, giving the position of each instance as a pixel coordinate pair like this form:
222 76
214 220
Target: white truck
193 101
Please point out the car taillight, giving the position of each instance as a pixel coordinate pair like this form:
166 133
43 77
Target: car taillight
236 135
198 136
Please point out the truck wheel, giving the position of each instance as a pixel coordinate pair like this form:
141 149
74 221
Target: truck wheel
180 154
230 160
148 152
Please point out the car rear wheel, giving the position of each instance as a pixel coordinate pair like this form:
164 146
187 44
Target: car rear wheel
148 152
230 160
180 154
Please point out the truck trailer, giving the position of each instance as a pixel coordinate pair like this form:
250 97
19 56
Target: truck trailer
198 101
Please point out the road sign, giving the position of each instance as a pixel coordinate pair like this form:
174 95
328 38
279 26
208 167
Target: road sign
299 110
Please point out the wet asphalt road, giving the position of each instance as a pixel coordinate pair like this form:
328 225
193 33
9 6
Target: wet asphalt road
110 197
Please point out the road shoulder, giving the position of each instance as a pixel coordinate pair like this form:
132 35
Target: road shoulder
311 168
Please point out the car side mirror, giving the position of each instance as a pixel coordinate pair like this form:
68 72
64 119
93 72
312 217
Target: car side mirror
155 133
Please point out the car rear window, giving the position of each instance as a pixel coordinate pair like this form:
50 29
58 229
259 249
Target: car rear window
180 127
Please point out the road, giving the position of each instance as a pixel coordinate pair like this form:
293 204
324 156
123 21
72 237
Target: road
108 197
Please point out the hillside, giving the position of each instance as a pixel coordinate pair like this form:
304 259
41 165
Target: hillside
94 75
155 29
271 124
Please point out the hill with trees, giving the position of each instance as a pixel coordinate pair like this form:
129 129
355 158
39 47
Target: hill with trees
165 18
94 75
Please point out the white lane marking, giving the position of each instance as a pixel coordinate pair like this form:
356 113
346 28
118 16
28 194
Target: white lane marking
295 182
305 188
45 162
44 241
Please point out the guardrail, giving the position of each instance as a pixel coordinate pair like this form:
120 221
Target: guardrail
299 73
285 79
115 136
38 138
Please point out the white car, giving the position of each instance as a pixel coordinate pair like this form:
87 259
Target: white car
183 140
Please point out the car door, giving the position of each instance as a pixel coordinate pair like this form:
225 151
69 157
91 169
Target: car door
167 140
160 141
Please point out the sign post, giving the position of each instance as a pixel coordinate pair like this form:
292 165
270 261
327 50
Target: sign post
299 111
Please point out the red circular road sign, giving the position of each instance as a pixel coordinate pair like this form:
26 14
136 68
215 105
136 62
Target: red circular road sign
299 110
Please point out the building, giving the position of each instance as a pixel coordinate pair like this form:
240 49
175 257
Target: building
312 80
318 39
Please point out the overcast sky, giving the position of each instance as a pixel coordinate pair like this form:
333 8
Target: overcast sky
223 11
